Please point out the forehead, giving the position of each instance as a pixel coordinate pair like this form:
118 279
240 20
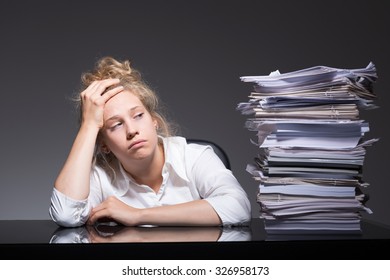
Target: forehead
122 101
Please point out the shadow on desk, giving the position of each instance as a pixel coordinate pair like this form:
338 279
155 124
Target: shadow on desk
45 240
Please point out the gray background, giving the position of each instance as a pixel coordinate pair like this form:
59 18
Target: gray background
192 53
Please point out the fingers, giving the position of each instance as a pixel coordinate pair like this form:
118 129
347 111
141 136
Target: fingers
93 218
110 93
104 210
113 209
97 213
95 97
98 87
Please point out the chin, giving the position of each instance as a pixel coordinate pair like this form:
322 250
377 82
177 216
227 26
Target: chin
140 154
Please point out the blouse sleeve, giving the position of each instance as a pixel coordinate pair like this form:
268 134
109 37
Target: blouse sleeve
220 188
68 212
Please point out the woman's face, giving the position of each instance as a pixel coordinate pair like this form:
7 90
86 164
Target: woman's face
129 131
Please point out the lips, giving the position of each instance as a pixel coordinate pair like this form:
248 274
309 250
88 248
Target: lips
136 144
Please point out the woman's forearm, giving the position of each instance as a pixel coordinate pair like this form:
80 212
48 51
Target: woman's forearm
198 212
73 179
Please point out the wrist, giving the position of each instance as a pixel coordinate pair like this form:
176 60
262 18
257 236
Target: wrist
89 128
143 217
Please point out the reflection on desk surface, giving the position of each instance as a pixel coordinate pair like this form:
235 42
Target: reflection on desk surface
324 230
46 231
108 233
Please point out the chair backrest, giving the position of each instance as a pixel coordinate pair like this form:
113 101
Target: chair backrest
217 149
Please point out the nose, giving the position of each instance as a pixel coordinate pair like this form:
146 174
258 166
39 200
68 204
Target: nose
131 131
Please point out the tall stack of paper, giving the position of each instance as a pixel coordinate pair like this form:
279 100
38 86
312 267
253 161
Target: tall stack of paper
311 147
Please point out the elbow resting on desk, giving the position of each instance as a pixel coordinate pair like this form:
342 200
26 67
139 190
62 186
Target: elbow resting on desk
73 216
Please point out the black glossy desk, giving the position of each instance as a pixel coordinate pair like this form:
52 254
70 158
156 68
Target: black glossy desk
43 239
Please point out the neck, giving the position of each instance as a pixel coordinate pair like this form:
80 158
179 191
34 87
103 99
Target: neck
149 171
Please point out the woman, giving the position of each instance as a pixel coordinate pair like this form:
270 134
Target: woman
125 166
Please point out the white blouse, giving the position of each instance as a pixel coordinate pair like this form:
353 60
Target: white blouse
191 172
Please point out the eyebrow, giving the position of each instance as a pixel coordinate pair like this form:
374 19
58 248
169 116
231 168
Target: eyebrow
114 117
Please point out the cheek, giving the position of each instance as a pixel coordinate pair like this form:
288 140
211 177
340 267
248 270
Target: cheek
112 138
152 130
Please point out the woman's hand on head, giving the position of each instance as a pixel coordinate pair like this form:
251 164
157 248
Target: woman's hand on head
94 97
114 209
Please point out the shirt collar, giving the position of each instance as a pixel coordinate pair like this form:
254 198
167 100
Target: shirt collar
174 150
122 178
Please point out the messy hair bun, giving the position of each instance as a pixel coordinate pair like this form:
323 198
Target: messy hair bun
110 68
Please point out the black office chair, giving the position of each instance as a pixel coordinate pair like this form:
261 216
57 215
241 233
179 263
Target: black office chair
217 149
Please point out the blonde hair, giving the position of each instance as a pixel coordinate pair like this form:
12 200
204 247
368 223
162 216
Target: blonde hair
130 79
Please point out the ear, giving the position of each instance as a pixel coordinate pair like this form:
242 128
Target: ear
104 148
155 123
